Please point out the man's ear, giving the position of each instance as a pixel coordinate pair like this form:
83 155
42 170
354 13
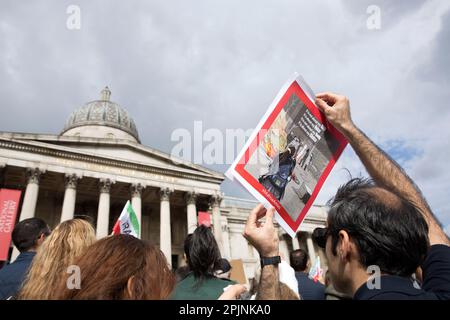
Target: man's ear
344 245
40 240
130 287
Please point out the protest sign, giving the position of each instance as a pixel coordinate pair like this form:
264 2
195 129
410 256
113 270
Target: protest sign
237 271
289 155
9 204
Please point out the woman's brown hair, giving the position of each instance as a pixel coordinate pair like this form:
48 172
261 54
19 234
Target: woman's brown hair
121 267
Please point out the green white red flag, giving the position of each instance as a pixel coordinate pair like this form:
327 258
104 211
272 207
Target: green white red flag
128 222
316 271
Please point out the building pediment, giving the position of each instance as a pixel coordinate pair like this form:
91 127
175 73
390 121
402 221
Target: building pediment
111 150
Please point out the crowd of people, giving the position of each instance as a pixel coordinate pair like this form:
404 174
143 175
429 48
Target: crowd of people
381 241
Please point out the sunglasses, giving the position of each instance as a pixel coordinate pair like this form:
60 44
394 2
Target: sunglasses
320 236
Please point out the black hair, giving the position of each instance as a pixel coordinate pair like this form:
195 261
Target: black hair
288 153
181 273
27 232
187 245
299 259
223 265
388 230
204 254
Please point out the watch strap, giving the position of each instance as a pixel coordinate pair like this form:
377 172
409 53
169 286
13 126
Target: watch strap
265 261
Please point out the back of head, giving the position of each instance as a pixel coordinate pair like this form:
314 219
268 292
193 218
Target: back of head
388 231
204 253
121 267
59 250
299 260
223 265
187 245
223 269
27 232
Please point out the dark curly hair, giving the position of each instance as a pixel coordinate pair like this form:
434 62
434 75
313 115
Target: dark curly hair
388 230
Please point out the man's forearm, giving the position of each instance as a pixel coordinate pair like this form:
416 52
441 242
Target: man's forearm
269 287
388 174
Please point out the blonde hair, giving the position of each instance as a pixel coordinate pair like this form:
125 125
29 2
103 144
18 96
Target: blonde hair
58 251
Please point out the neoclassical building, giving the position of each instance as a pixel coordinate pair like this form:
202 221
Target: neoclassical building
97 163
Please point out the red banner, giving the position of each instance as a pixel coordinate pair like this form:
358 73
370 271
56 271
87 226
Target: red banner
9 203
204 218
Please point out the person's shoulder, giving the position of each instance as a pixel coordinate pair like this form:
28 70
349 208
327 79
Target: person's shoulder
4 269
183 288
214 287
7 270
189 279
438 254
436 271
222 281
17 267
319 285
402 296
302 276
392 287
441 251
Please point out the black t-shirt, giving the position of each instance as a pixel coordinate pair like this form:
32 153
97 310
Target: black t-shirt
436 281
436 271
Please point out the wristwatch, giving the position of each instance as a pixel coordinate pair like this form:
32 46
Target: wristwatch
265 261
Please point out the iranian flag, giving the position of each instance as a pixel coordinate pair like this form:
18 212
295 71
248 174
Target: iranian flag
127 222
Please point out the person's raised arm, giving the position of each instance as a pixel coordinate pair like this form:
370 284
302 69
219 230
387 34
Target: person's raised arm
383 170
264 237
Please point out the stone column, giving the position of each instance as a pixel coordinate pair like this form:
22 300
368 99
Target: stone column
103 208
225 238
165 235
31 193
192 222
70 196
283 247
295 243
215 205
136 202
311 250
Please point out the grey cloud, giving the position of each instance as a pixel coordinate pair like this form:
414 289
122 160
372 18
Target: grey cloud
437 69
392 11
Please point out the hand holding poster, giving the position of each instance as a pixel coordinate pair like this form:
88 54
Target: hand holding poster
289 155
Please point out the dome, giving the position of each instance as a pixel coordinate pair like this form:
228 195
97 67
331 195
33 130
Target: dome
101 113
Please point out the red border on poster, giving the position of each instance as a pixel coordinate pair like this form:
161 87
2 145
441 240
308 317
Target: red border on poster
294 88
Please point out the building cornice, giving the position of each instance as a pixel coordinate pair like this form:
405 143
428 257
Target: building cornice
42 138
13 144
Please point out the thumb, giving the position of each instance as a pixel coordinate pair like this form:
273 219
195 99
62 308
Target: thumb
269 217
323 106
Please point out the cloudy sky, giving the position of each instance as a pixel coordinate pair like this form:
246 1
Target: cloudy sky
170 63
